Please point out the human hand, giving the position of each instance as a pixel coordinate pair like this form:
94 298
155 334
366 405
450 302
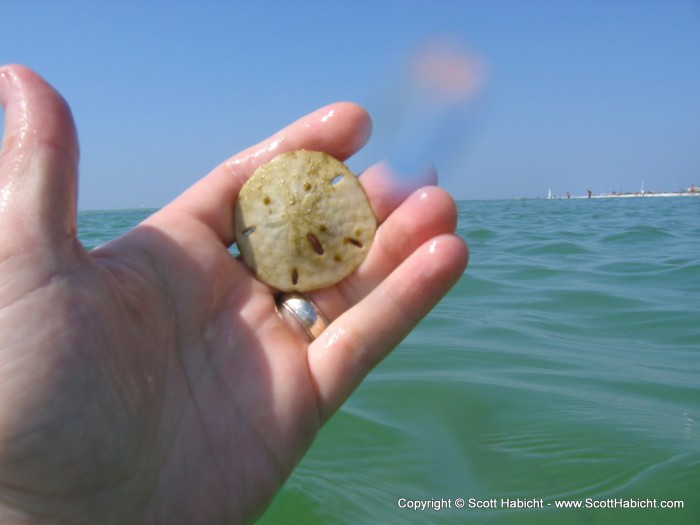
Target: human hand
151 380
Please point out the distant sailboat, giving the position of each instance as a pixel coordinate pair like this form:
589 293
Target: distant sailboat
549 194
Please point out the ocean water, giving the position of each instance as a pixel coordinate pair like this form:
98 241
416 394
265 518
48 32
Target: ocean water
564 367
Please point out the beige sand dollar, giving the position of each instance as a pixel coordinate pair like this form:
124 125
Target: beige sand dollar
303 221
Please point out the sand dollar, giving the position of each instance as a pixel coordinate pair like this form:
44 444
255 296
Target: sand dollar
303 221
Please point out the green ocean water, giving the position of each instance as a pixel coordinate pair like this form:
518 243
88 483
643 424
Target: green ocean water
564 366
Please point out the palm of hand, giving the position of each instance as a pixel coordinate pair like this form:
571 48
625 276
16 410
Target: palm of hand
151 379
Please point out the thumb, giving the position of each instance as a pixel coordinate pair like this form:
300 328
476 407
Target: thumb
38 165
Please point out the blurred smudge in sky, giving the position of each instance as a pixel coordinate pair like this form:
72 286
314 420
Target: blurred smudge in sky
425 120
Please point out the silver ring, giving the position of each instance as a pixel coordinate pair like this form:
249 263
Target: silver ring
304 312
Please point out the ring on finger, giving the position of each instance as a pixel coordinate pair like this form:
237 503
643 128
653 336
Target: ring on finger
304 312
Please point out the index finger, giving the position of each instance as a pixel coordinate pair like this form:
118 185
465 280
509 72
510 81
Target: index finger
338 129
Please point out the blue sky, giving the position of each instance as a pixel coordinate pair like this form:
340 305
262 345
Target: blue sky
600 94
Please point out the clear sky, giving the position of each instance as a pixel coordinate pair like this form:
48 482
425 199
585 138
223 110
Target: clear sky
578 94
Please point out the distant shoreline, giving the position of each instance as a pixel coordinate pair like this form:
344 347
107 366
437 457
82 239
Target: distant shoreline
629 195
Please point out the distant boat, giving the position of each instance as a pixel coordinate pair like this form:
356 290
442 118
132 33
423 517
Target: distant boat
549 194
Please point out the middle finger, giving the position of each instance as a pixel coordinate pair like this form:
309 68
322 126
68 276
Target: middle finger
424 214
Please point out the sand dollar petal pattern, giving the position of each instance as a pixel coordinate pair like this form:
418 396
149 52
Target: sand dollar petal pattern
303 221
